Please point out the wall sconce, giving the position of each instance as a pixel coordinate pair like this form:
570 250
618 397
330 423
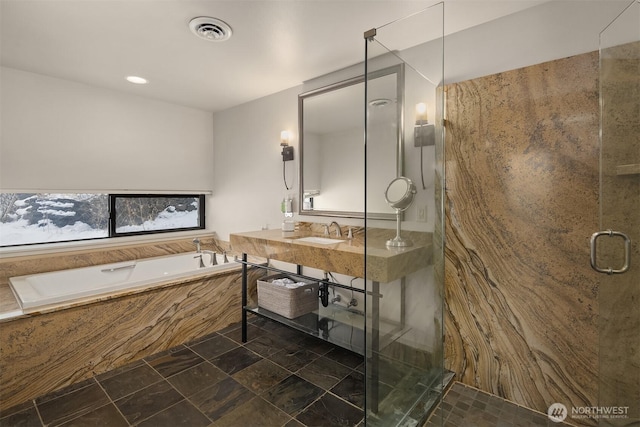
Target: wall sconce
287 154
424 133
287 150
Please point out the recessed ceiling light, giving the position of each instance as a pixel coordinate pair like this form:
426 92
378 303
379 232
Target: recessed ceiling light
137 80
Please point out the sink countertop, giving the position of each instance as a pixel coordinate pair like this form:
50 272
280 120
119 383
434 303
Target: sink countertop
346 257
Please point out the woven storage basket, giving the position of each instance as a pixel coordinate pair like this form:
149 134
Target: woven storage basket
287 302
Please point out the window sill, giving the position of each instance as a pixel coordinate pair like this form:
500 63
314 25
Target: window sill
87 245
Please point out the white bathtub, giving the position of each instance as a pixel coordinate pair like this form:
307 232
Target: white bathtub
37 291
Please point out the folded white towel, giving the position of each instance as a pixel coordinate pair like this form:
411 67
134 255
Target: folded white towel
287 283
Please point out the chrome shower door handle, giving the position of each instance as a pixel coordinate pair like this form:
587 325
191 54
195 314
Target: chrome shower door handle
594 252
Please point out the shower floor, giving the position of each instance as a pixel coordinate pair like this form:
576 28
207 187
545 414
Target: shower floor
281 377
469 407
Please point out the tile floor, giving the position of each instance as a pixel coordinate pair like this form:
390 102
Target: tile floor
279 378
464 406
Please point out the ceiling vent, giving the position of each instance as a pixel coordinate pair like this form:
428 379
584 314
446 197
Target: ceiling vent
211 29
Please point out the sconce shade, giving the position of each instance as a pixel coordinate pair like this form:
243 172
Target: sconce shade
421 113
284 138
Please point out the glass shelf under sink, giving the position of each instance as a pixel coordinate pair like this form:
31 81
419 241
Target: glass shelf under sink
337 325
345 330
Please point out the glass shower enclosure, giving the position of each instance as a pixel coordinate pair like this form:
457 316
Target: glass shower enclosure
405 374
615 249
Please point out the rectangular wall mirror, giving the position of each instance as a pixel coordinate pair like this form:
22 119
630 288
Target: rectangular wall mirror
331 129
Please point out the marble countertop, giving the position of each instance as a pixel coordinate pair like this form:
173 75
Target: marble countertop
347 257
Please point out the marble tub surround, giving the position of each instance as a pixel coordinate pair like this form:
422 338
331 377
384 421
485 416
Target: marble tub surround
43 353
521 201
346 257
21 265
9 306
25 265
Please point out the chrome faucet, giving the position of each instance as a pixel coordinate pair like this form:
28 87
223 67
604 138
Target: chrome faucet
214 261
328 226
201 261
197 243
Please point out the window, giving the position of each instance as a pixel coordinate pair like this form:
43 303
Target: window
27 218
31 218
144 214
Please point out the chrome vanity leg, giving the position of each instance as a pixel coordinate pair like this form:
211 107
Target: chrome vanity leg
244 297
403 294
375 346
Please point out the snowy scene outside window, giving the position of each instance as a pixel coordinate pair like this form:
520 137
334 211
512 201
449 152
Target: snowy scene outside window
149 213
42 218
29 218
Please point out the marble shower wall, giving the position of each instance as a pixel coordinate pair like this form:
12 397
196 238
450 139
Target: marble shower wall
521 203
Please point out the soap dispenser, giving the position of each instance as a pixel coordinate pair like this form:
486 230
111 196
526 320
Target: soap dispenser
287 209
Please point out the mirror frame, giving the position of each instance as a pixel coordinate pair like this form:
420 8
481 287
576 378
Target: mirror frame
399 164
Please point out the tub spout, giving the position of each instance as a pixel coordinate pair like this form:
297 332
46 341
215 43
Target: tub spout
201 261
214 261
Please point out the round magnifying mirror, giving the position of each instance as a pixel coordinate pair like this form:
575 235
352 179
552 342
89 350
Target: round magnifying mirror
399 195
400 192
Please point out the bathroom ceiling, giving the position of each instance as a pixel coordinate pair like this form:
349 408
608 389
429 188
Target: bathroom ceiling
276 44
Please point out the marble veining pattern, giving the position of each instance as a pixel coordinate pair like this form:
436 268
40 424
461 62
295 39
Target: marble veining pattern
521 202
49 351
347 257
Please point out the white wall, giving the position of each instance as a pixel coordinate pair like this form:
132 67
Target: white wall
61 135
552 30
248 178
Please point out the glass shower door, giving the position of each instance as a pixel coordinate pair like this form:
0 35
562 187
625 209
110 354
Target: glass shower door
616 248
405 253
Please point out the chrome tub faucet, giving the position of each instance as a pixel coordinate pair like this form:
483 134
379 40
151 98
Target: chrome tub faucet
214 261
